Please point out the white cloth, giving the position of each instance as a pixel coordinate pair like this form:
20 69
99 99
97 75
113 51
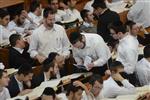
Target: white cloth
19 50
95 48
4 35
88 6
143 71
72 14
4 94
36 19
127 53
44 41
20 29
111 89
59 15
139 12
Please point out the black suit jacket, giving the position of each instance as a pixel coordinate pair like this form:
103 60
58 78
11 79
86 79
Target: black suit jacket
14 88
103 21
16 58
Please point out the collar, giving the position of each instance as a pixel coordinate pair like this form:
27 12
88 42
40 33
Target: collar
19 83
45 29
19 49
104 11
45 78
124 38
146 62
87 24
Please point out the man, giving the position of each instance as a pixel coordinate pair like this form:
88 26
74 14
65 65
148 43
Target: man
49 37
49 71
139 14
48 94
111 89
4 80
127 51
20 24
96 85
143 67
59 14
104 16
18 53
35 14
20 83
4 32
91 51
87 25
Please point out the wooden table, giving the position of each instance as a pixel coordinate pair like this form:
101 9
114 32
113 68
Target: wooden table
6 3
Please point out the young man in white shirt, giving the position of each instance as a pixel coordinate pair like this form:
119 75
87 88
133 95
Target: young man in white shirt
111 89
91 47
49 37
127 51
59 14
4 80
20 24
4 32
35 14
143 67
139 12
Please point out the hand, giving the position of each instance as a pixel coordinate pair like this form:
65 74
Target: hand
26 91
107 72
40 58
28 83
90 66
78 83
117 77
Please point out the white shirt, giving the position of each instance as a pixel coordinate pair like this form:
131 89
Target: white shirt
19 50
143 71
91 96
4 35
59 15
4 94
127 53
139 12
95 48
88 6
111 89
20 84
72 14
36 19
44 41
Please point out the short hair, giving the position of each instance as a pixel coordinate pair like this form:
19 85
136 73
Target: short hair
50 1
49 92
47 64
147 51
1 73
34 5
95 78
3 13
117 26
48 11
13 38
84 13
75 37
52 56
99 4
25 69
116 64
72 88
129 24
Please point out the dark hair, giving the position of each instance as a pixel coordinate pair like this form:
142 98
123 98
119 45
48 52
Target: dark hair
1 72
48 11
75 37
84 13
47 64
72 88
3 13
147 51
129 24
49 92
50 1
117 26
116 64
99 4
34 5
95 78
52 56
13 38
25 69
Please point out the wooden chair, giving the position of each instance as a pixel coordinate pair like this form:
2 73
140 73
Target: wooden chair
4 53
